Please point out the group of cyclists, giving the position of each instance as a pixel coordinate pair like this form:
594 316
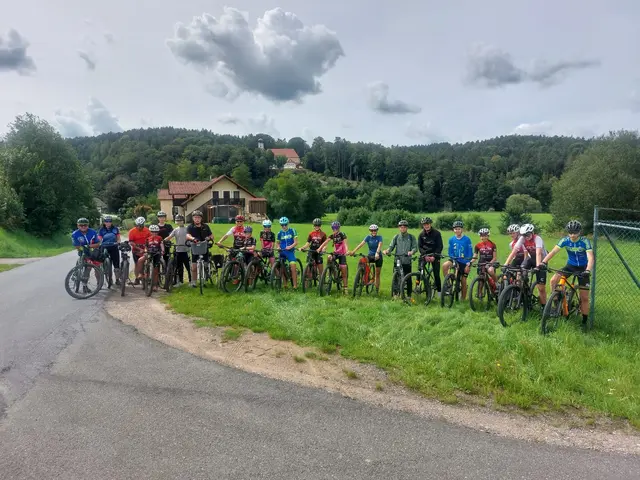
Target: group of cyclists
527 249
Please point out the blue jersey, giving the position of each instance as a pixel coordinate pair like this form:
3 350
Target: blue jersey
109 235
461 249
373 242
287 238
80 239
576 251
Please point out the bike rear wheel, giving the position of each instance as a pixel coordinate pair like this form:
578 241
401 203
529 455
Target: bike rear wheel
232 277
480 297
552 313
447 294
511 305
124 276
420 289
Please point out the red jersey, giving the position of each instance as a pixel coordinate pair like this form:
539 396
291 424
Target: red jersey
238 236
154 244
138 238
316 239
485 251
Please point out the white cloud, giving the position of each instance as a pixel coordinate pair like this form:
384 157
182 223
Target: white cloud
96 119
540 128
423 132
13 54
378 100
262 123
229 119
88 59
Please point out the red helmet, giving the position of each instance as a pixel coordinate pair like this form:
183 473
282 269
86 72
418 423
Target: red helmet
239 218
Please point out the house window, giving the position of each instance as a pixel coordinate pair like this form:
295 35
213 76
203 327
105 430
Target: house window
236 194
216 195
227 194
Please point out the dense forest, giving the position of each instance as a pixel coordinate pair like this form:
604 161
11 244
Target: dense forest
478 175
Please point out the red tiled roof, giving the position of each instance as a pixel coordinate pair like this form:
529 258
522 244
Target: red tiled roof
290 153
163 194
187 188
214 181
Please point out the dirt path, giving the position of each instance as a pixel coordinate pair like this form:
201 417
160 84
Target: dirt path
260 354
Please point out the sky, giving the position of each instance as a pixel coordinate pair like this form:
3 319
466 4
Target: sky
397 73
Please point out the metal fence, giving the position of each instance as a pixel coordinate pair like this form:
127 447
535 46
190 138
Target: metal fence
615 283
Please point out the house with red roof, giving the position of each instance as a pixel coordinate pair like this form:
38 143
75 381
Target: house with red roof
293 161
220 198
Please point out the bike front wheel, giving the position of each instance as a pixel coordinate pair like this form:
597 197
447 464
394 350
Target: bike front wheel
511 305
447 294
479 295
552 313
79 281
420 289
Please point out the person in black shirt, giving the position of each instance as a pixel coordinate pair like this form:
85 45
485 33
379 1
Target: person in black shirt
430 243
165 230
198 232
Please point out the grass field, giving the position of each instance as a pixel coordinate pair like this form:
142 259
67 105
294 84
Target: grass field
446 353
23 245
4 267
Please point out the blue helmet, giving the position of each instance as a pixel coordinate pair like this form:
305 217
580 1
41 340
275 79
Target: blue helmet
248 229
284 221
107 218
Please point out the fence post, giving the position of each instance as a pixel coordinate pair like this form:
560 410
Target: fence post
592 303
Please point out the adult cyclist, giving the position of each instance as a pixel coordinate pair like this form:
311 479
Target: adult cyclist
405 245
164 231
315 239
138 236
288 239
430 246
85 238
374 242
109 236
580 261
237 232
198 232
536 251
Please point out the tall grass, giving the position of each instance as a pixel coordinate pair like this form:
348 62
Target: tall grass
22 245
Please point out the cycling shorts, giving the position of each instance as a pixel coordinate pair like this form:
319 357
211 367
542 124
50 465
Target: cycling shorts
316 257
583 281
290 255
541 275
378 262
342 259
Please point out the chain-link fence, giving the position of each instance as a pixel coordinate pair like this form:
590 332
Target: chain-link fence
615 284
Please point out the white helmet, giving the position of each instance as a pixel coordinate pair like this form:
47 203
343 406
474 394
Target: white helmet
526 228
140 221
266 223
154 228
373 226
513 228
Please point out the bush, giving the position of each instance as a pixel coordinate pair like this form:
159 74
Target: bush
128 224
509 217
11 210
353 216
390 218
445 221
152 219
523 203
474 222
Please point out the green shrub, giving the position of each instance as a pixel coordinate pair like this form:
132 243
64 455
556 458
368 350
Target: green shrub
390 218
445 221
11 210
127 224
353 216
523 203
509 217
474 222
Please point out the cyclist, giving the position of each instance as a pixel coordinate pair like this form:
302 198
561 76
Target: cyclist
404 243
340 248
374 242
580 260
109 237
237 232
536 251
182 251
84 236
288 239
315 239
430 243
249 244
198 232
165 230
155 248
267 238
138 236
486 252
514 231
461 250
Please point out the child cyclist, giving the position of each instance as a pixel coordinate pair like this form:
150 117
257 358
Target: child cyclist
374 242
340 248
267 239
288 239
315 239
249 244
580 261
486 252
461 251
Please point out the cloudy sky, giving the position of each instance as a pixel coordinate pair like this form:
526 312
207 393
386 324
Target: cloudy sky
402 72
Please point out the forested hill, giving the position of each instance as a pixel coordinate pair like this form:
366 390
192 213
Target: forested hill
474 175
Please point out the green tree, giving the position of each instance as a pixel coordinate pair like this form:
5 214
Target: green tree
11 210
296 196
523 203
118 191
299 145
242 175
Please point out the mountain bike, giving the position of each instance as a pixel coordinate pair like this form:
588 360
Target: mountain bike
311 272
365 276
424 288
233 270
259 268
171 274
107 267
452 284
151 269
124 248
76 283
281 272
564 301
518 299
484 290
398 274
204 269
331 275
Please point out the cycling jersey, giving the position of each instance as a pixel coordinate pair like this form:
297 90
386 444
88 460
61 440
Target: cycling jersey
519 252
485 251
461 249
238 236
165 230
339 247
109 235
200 233
576 251
80 239
531 245
154 244
373 242
430 242
138 237
315 239
286 238
249 242
267 237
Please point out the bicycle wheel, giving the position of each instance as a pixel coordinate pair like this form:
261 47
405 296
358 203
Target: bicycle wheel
232 277
108 272
479 295
431 283
251 276
396 283
510 305
358 283
201 276
446 296
124 276
169 278
79 281
309 278
552 313
370 282
276 276
419 290
147 278
326 282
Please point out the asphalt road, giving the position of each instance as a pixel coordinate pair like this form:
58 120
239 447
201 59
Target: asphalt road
86 397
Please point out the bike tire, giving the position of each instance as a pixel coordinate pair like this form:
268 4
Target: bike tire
148 274
447 294
552 310
276 276
227 273
108 272
358 283
479 306
307 278
252 271
124 276
412 277
513 293
80 271
324 286
170 276
396 284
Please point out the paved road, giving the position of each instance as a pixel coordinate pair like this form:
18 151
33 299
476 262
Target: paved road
89 398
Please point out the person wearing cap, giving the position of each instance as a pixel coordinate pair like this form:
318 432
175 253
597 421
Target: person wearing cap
430 246
405 244
374 242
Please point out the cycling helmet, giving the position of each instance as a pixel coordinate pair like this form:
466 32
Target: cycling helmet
107 218
403 223
266 223
335 225
196 213
526 228
83 221
284 221
161 214
373 226
574 226
513 228
426 220
248 229
317 222
154 228
179 218
140 221
239 218
458 224
483 231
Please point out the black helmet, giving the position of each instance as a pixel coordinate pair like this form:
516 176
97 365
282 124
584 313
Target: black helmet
83 221
458 224
426 220
403 223
179 218
574 226
317 221
196 213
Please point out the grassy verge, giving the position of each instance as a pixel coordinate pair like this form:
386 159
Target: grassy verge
4 268
23 245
